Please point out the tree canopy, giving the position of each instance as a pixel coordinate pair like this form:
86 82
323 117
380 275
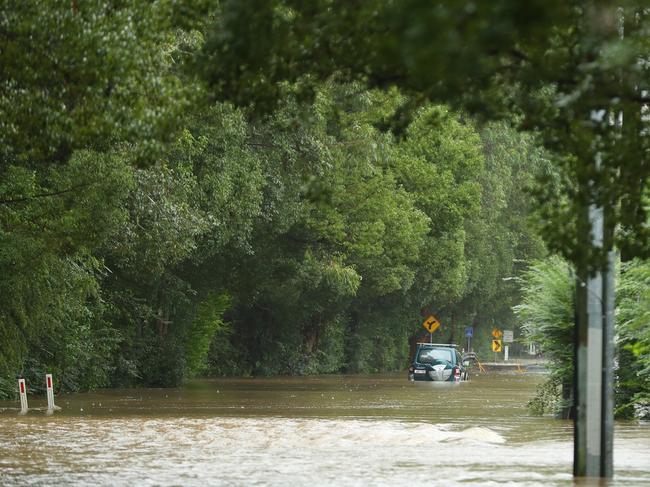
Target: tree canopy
573 72
292 186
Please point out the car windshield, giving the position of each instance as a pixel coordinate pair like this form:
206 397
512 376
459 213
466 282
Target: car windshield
431 355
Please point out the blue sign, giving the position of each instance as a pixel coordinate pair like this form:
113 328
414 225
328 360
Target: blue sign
469 331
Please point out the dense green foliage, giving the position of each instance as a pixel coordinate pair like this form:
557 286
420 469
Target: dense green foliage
178 198
570 70
634 340
547 314
197 240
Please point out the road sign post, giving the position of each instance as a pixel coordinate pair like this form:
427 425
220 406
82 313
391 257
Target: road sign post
496 342
469 332
496 348
508 337
431 324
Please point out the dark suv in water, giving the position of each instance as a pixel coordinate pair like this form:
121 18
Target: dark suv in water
437 362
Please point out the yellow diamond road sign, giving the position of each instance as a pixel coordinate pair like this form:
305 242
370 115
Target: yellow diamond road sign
431 324
496 345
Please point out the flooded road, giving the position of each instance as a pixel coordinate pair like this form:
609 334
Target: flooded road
313 431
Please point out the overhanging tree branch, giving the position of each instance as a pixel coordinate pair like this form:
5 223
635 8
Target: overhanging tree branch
23 199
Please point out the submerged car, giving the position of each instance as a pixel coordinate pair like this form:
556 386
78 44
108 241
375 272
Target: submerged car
437 362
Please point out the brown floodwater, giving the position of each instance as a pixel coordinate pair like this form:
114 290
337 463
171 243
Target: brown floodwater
308 431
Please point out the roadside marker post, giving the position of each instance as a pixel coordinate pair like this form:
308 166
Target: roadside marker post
22 389
50 394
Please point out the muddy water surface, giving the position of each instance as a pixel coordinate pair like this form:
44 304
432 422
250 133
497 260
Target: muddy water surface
315 431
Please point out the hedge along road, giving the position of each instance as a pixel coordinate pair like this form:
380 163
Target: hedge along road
326 430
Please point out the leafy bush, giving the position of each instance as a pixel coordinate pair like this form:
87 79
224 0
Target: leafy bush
633 332
547 318
546 314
